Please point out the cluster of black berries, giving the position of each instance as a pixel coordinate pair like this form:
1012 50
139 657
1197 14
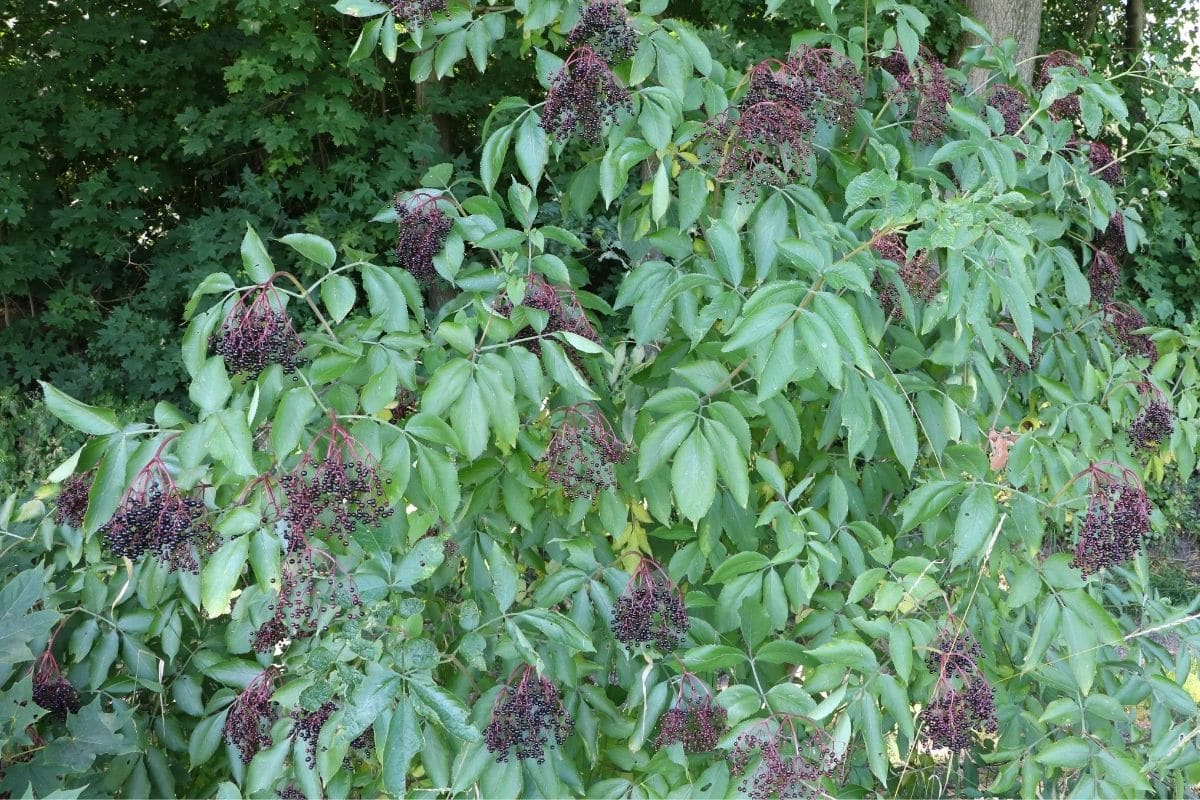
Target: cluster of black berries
415 12
51 690
527 715
406 404
1011 105
1112 239
308 725
919 276
563 313
1104 276
1064 107
582 452
422 231
693 720
336 492
1122 321
248 725
650 609
605 27
256 333
72 501
1153 426
926 80
1104 164
1117 519
362 745
307 591
291 792
584 98
1017 365
835 83
154 516
963 700
787 765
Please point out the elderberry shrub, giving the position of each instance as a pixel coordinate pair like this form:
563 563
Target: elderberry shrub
308 725
582 452
71 504
650 609
256 333
787 765
51 690
693 720
155 516
1122 321
605 27
248 725
527 715
584 98
918 275
1104 277
1011 105
926 80
422 229
1152 427
1117 519
1064 107
416 12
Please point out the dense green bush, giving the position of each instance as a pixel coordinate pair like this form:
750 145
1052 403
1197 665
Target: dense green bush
831 468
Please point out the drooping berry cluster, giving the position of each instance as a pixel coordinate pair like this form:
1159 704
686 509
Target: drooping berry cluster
155 516
584 98
582 452
1011 105
919 276
51 690
248 725
835 84
563 313
335 491
1104 277
1064 107
416 12
1104 164
406 404
308 725
72 502
422 229
311 585
926 81
787 764
257 332
527 715
362 745
1112 239
605 27
1122 321
1117 519
963 701
693 720
291 792
1153 426
650 609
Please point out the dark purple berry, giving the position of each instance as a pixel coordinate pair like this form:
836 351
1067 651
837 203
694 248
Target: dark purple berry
1152 427
1064 107
51 690
1117 520
1011 105
693 720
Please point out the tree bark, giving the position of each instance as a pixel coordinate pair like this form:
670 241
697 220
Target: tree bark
1135 28
1017 19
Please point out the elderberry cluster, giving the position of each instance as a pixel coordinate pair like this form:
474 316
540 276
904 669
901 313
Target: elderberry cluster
926 80
1104 164
363 745
1104 277
308 725
248 725
919 276
1152 427
1122 322
416 12
650 610
527 715
582 452
307 592
605 27
1011 105
584 98
953 716
693 720
72 502
1064 107
563 313
163 522
786 766
422 229
953 653
256 333
1018 366
406 404
51 690
835 84
1116 523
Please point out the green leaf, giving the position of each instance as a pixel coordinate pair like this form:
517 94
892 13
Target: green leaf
847 652
404 741
291 417
708 657
727 250
220 575
446 386
419 563
739 564
210 389
107 488
663 440
314 248
470 419
229 441
439 479
1070 752
360 8
927 501
897 421
88 419
450 711
821 345
255 260
386 298
694 476
494 151
338 293
533 148
368 37
18 627
504 576
868 186
976 519
266 767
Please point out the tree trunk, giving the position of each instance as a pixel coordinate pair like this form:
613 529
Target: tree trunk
1135 28
1017 19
